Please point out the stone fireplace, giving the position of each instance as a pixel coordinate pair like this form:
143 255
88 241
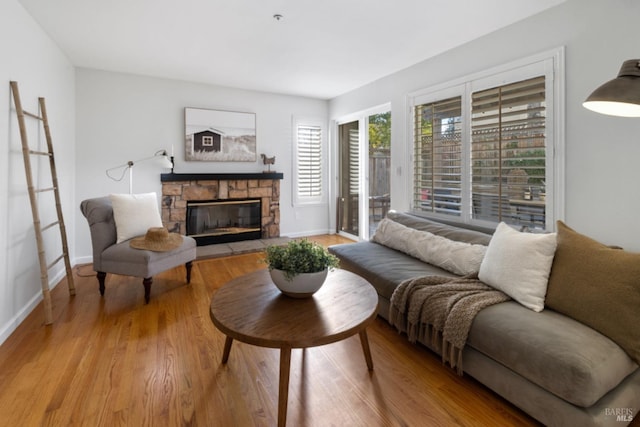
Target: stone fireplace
180 189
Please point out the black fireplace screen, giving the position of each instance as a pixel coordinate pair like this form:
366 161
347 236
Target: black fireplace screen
222 221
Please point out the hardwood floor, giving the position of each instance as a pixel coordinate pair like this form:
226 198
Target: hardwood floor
116 361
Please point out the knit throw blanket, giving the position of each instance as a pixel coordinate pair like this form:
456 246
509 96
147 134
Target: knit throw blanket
440 310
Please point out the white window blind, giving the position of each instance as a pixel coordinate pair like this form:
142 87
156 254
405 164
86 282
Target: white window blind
437 156
489 147
354 161
508 153
309 180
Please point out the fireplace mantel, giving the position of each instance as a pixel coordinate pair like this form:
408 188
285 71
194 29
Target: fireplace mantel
177 177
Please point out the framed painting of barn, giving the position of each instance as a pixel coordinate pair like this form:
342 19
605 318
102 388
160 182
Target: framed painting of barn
219 136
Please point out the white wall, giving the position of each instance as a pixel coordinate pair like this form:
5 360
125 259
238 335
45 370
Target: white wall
123 117
602 152
35 62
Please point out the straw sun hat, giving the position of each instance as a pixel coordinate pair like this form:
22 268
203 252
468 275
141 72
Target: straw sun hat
157 239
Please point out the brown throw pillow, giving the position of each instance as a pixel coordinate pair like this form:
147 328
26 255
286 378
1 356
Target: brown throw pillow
598 286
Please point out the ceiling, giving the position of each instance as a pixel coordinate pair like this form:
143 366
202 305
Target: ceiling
320 48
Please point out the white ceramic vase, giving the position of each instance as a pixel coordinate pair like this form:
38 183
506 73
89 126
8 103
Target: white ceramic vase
301 285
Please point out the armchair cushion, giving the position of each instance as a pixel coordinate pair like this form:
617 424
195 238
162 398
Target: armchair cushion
122 259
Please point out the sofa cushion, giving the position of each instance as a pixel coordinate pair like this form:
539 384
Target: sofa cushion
518 264
598 286
559 354
383 267
450 232
457 257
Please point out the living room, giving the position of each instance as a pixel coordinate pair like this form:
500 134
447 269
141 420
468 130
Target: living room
101 119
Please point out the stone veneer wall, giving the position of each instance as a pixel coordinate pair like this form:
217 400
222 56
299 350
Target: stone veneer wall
176 194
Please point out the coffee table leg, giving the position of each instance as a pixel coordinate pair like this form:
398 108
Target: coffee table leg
227 349
364 340
283 388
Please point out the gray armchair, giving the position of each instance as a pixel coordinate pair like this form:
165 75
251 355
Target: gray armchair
109 257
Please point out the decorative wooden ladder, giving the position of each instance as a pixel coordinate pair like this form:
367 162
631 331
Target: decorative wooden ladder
26 153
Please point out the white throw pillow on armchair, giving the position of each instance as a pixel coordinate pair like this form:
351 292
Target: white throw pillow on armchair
134 214
519 264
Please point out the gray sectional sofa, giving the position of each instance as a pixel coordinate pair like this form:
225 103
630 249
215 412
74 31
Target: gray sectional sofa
556 369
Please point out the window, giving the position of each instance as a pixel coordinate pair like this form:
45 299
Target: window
309 182
207 141
438 156
486 149
508 153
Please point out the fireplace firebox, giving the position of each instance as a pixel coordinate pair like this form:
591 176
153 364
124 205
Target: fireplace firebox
224 221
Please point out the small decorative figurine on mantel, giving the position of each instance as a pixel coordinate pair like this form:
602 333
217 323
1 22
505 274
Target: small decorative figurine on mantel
268 161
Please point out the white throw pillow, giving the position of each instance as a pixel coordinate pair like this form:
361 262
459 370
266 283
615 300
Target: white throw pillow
519 264
134 214
457 257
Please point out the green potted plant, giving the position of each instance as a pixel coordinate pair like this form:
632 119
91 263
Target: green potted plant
300 267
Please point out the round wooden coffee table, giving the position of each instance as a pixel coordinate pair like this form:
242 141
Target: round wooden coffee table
251 309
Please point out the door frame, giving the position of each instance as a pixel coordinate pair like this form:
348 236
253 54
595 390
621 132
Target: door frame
362 117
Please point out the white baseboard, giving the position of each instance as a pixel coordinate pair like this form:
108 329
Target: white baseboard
15 321
9 327
309 233
83 260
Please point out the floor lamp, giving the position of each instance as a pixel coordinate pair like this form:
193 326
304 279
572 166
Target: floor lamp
620 96
159 156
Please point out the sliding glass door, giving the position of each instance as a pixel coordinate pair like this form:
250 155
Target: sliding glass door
364 144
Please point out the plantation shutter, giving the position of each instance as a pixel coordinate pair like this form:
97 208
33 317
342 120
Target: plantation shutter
438 156
354 161
508 153
309 159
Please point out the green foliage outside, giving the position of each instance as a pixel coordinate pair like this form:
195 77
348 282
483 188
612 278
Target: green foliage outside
299 256
426 121
533 162
380 132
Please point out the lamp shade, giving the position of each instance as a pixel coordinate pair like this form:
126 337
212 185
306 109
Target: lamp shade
620 96
165 162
